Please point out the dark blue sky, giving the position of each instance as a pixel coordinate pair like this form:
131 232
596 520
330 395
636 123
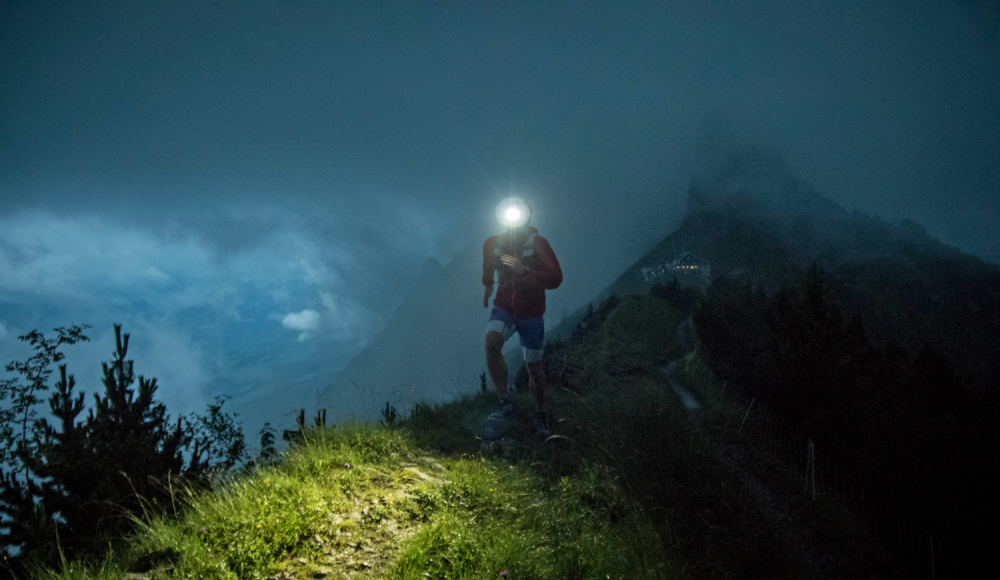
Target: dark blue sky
282 169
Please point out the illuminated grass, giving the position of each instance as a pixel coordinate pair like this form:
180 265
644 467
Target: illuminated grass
521 526
342 503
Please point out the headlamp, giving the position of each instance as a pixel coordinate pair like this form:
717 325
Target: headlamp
513 212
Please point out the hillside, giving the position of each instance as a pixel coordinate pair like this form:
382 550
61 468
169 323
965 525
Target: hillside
630 487
747 212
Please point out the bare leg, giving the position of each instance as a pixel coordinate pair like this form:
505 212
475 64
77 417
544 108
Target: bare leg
495 363
539 385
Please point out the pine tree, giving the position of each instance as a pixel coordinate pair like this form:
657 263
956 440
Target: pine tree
133 447
20 415
585 326
62 457
28 523
606 307
29 526
88 478
267 449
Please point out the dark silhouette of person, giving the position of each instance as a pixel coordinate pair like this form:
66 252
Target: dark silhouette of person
526 267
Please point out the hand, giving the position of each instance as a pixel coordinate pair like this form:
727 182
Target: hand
486 299
514 262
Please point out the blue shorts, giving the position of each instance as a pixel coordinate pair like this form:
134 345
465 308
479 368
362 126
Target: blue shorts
530 330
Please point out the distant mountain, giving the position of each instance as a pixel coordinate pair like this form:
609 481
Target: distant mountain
433 347
748 214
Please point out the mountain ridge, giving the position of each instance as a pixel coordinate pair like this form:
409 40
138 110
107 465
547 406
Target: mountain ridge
746 212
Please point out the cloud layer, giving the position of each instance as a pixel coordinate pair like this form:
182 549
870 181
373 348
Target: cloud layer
208 314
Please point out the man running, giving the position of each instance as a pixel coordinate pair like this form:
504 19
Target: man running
527 268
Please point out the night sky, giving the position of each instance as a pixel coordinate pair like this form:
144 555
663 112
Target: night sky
250 187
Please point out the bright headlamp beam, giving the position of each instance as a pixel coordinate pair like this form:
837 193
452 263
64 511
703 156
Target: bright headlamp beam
513 212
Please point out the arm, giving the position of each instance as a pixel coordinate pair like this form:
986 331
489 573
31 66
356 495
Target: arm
546 274
488 270
488 263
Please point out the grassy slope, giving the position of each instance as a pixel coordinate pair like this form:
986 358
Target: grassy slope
630 488
365 500
827 538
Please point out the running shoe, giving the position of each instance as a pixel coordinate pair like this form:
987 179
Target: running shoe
504 409
492 432
542 427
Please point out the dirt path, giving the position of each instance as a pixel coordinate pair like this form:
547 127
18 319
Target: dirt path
691 404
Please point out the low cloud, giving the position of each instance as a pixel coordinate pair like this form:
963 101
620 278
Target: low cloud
307 321
203 316
345 318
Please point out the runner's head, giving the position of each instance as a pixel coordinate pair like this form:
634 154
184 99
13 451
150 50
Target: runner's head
515 215
514 212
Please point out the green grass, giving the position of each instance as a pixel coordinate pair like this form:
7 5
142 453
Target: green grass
112 567
342 502
520 525
274 514
630 487
648 325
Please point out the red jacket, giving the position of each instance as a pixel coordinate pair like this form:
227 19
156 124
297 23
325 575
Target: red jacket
523 296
